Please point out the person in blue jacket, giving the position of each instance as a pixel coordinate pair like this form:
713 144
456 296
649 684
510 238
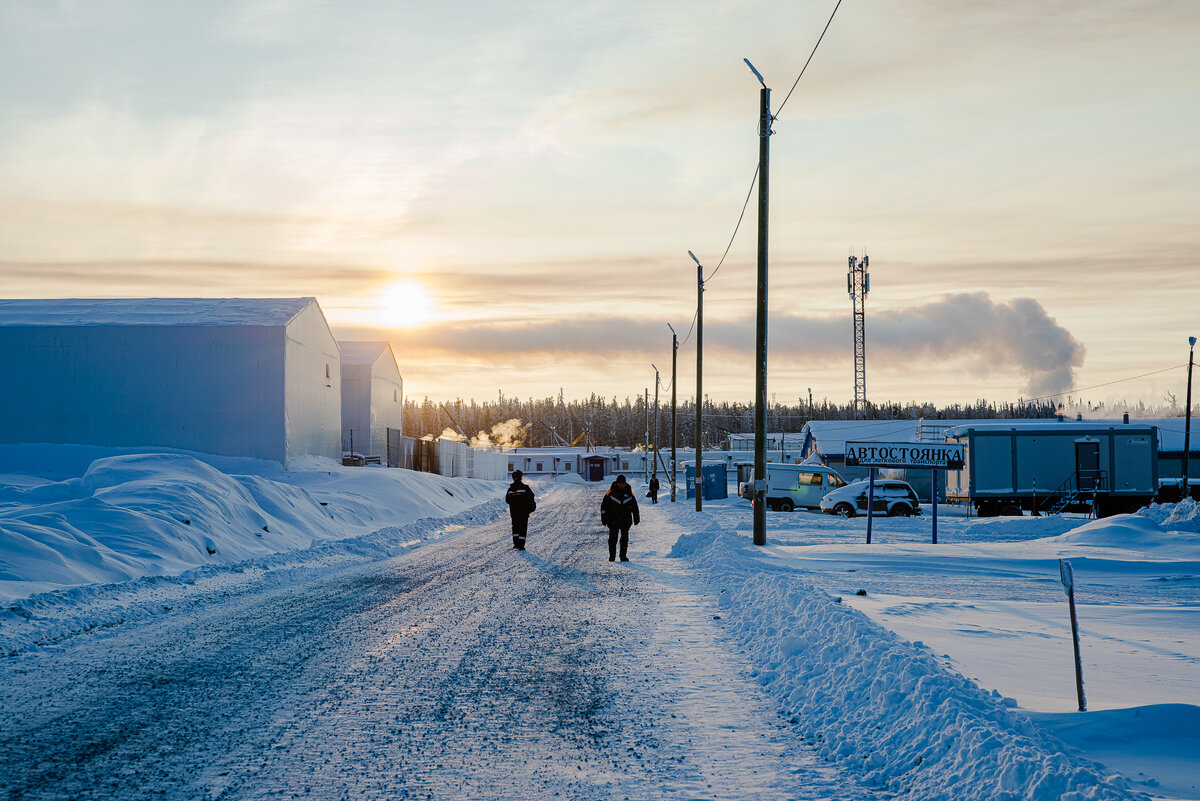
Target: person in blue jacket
520 505
619 511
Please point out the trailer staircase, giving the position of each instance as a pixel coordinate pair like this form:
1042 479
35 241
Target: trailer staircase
1070 494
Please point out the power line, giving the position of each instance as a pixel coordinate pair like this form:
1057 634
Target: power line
775 116
741 216
690 329
1106 384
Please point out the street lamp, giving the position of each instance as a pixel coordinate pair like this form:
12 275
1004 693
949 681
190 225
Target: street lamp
699 378
674 355
654 470
1187 425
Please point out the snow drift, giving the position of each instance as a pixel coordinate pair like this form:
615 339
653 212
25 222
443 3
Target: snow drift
879 704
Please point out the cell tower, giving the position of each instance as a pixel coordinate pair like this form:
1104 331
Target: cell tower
858 284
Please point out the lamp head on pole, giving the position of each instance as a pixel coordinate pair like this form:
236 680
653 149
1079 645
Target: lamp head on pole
1192 342
693 255
756 72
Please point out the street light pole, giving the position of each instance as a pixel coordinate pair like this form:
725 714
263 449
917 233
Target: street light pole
654 472
674 359
1187 425
760 382
646 407
699 375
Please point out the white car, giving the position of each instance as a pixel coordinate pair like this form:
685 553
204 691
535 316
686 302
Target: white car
893 498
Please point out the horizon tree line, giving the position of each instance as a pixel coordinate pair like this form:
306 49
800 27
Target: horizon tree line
599 422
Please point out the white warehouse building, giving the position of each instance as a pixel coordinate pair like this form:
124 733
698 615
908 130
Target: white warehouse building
372 397
257 377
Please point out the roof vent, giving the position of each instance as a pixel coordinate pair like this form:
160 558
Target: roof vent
1125 418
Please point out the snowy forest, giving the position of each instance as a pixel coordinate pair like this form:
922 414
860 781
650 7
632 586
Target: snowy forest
513 422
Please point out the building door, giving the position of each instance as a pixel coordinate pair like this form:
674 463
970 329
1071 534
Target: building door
1087 466
595 469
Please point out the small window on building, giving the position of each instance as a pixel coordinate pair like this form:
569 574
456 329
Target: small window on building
510 467
539 467
624 465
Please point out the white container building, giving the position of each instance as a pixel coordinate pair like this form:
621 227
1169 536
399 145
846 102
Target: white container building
372 397
256 377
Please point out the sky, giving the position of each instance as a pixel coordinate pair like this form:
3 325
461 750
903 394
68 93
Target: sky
508 192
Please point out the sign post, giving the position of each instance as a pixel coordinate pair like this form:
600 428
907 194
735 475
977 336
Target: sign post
936 456
870 502
935 491
1068 581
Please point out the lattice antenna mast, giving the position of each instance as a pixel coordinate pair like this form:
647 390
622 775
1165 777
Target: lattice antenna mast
858 284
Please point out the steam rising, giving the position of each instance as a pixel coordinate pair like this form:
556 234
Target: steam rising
1018 334
507 435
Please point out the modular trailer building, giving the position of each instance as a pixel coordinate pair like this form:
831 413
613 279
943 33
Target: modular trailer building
1054 466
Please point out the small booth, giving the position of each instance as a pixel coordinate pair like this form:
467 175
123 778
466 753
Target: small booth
712 480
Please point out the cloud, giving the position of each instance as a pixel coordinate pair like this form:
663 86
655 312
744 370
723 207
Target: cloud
1015 336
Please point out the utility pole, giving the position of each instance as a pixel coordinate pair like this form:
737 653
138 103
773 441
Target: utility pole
1187 424
699 373
654 471
674 359
646 467
760 382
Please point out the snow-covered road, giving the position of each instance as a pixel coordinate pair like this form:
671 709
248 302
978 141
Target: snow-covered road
459 670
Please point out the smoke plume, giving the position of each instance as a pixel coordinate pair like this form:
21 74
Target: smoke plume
507 435
1018 335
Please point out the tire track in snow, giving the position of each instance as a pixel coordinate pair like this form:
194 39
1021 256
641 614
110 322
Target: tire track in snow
459 670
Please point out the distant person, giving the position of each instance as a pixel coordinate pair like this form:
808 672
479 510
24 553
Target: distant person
520 505
619 511
653 489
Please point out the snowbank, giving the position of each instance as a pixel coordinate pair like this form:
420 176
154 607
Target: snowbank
133 515
1182 516
873 701
1165 529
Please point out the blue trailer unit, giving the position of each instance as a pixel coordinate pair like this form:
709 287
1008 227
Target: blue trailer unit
713 481
1054 467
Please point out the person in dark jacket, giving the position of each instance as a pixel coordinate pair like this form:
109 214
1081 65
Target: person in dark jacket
520 505
619 511
653 487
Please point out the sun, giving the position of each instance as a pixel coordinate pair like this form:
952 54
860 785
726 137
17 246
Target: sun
405 304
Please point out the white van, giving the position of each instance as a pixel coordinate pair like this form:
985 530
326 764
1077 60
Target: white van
792 485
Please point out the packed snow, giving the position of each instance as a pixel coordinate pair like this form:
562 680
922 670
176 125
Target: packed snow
925 671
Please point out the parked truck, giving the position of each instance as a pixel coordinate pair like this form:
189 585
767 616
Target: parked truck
1051 467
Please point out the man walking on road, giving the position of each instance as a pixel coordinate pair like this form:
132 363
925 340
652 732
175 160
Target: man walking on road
520 505
619 511
653 489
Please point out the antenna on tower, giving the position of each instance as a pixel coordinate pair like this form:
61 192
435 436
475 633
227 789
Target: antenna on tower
858 284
